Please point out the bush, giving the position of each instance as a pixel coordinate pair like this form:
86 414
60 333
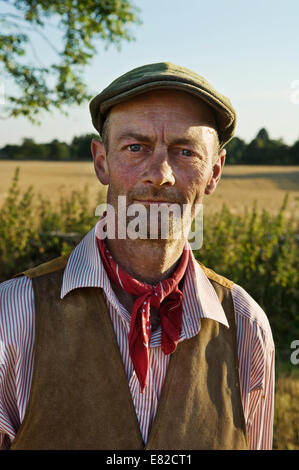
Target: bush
33 232
259 251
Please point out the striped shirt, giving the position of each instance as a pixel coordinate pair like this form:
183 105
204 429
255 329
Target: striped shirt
85 269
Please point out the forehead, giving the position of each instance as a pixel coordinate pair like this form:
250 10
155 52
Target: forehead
166 107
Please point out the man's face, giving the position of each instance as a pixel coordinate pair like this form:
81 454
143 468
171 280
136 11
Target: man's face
161 149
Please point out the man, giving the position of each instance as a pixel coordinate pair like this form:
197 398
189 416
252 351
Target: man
131 343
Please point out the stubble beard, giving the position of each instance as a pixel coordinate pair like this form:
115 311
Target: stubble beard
160 224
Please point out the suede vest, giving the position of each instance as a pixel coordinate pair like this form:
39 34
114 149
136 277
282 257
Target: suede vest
80 396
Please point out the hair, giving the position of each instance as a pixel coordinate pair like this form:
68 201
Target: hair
217 148
105 132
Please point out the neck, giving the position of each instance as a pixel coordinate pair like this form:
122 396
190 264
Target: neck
148 261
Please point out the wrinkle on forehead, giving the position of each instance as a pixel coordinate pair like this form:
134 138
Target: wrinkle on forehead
167 104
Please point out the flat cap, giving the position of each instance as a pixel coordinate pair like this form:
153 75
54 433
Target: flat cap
164 75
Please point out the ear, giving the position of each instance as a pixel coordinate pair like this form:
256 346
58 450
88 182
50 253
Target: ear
216 174
100 161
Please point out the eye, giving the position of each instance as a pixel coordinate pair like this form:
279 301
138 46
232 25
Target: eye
187 153
135 147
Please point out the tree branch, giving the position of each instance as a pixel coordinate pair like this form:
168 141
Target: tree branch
34 29
78 23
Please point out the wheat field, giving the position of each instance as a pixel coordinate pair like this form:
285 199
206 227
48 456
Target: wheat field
239 187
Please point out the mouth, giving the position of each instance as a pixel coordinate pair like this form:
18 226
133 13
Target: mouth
153 201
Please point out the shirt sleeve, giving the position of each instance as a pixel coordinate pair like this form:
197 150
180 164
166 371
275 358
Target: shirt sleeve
16 360
261 410
256 364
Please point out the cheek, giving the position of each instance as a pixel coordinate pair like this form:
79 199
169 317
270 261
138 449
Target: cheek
193 180
121 176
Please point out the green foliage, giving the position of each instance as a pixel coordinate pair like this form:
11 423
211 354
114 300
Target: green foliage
260 252
80 24
78 149
235 149
33 232
263 135
80 146
17 233
262 151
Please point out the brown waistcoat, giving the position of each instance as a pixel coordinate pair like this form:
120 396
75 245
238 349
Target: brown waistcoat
80 396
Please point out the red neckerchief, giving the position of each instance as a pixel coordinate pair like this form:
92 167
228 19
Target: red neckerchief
165 296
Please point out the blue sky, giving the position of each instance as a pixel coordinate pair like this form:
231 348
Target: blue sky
247 50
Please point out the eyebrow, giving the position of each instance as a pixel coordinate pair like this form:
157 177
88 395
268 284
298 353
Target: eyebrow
189 141
184 141
147 139
133 135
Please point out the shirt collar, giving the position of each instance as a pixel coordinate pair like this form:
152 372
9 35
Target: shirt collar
85 269
202 293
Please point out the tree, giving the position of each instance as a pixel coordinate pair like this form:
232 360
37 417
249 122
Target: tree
81 23
265 151
294 154
58 150
80 146
235 150
263 135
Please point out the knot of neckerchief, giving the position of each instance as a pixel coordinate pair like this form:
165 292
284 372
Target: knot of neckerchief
164 296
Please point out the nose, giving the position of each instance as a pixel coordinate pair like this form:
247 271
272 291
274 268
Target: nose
159 171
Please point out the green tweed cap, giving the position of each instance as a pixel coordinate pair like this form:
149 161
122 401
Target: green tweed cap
164 75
